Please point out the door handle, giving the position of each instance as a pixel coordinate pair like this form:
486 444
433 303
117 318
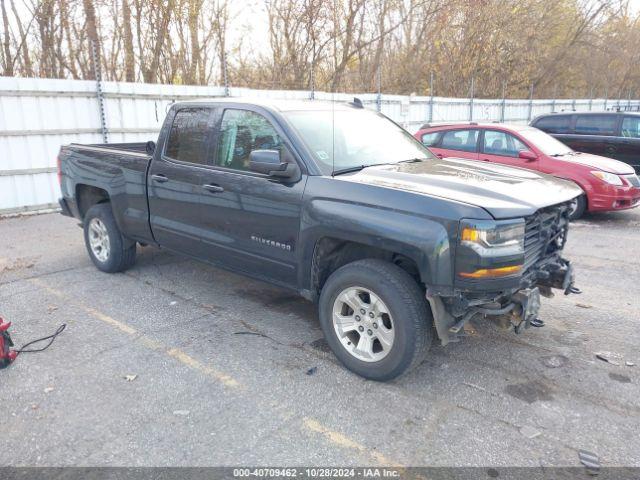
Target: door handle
159 178
213 188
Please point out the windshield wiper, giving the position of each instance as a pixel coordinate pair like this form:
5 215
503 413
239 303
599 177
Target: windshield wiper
357 168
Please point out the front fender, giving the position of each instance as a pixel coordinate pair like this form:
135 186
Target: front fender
424 240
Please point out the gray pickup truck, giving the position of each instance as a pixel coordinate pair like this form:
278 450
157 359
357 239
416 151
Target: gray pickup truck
340 204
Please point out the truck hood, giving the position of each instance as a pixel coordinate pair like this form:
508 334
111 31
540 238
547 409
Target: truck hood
599 163
504 192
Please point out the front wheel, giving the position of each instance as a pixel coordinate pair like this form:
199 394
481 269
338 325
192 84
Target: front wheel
107 248
375 319
578 206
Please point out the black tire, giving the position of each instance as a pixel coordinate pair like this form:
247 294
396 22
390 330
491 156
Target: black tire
412 319
121 253
580 207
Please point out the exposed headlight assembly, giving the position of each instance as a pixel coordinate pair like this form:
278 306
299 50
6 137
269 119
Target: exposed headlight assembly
607 177
491 235
498 248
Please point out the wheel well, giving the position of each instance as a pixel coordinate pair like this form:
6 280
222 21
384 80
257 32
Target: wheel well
87 196
332 253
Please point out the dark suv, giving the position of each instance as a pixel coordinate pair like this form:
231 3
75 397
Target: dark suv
610 134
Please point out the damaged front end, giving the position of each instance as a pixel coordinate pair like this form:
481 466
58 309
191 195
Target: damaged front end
503 270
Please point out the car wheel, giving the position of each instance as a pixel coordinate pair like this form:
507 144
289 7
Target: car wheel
375 319
578 206
108 249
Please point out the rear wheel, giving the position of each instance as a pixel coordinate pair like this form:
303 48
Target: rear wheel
375 319
578 206
107 248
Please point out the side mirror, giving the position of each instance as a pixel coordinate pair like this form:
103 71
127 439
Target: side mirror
527 155
268 162
150 147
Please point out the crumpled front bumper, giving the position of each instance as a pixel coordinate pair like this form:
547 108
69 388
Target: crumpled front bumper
519 309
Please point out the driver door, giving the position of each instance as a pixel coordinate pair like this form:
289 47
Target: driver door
251 220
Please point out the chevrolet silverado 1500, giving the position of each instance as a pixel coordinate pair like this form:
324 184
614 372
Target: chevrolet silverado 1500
340 204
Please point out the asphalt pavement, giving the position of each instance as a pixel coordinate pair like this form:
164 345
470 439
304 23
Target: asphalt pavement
177 363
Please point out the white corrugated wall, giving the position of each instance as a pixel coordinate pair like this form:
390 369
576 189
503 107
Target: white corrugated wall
39 115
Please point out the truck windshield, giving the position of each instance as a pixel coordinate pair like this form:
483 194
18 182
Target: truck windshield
343 139
545 142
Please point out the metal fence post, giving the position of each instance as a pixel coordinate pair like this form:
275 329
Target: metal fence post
530 103
97 70
606 95
224 74
504 101
573 104
431 97
471 101
590 98
379 84
312 94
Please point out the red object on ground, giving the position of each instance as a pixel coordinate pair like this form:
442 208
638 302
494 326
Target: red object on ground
608 184
6 355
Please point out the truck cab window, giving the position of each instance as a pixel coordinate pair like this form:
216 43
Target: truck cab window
187 140
241 132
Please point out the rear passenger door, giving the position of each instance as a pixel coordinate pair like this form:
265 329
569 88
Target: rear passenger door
595 133
175 180
502 147
460 143
251 220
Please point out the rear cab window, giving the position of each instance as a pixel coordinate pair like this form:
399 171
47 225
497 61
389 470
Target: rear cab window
554 124
189 135
596 124
462 140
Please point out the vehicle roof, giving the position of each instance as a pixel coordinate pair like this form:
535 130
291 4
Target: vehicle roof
277 105
461 125
592 112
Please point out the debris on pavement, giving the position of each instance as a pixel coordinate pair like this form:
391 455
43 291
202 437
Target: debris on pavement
130 378
51 308
629 364
529 432
584 305
609 357
173 303
48 390
589 460
312 370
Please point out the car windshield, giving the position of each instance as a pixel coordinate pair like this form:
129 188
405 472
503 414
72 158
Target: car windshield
544 142
344 139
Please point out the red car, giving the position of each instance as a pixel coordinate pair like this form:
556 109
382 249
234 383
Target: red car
607 184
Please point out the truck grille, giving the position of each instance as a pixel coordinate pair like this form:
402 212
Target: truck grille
545 233
633 180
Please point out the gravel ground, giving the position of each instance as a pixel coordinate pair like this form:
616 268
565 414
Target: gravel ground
176 363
